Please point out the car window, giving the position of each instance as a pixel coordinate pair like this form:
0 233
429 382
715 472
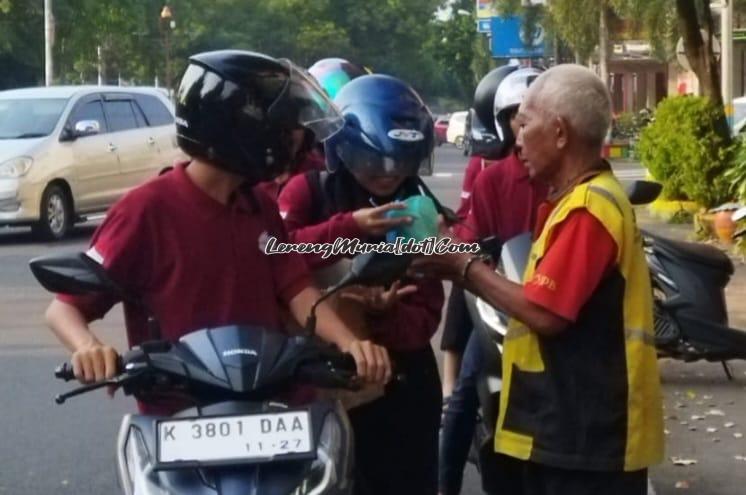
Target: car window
155 111
29 118
90 111
139 116
120 115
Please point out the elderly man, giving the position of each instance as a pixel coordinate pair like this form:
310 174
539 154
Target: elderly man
580 411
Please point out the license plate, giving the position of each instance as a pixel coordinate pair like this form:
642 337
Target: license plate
254 437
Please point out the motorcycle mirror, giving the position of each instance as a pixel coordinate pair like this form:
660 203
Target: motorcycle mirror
374 269
642 192
369 269
76 274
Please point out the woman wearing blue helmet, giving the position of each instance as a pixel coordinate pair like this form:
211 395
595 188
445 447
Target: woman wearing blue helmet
373 163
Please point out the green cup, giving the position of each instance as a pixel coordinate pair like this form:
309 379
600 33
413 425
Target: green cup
424 219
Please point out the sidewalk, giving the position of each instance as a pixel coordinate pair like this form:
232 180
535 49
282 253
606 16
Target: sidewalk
705 413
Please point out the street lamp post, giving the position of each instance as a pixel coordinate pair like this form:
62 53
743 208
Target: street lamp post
48 43
167 19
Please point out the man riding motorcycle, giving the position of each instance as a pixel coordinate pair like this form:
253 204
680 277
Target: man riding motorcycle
190 243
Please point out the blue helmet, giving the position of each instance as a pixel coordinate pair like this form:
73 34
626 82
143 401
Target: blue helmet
388 130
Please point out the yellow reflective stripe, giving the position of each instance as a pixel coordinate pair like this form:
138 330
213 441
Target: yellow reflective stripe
608 195
635 334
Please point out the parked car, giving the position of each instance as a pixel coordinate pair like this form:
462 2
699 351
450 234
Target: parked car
481 141
441 129
457 129
71 151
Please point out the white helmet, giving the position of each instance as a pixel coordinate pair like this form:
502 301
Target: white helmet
508 96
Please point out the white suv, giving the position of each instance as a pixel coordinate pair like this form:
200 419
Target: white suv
67 152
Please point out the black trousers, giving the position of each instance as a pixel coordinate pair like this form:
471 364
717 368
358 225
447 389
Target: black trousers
516 477
396 436
457 326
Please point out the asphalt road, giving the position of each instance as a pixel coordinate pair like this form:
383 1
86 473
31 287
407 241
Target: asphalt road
69 449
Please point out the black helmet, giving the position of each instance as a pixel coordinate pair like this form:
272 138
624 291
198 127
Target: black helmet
236 109
484 95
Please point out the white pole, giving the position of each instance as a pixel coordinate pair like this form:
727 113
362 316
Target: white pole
48 43
726 58
100 65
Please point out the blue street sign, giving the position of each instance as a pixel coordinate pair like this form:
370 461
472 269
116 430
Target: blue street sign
484 25
508 39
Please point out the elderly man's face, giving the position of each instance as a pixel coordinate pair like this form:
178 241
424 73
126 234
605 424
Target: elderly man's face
537 140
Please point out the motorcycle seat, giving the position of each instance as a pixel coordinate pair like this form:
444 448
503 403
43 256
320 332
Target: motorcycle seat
693 251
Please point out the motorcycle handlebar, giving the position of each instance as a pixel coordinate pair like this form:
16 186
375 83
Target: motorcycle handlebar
64 372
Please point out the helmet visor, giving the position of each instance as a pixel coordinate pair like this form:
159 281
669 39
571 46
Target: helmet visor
369 163
302 103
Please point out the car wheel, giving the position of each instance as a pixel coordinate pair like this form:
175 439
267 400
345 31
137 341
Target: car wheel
56 215
459 142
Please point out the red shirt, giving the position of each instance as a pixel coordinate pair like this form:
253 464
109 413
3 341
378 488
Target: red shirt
413 321
475 166
580 254
313 160
504 202
195 262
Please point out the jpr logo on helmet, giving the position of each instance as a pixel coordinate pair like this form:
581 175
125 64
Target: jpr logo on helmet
409 135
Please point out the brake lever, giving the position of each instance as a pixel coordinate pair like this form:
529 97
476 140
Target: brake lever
61 398
132 373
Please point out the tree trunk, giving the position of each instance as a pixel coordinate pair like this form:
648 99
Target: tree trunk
699 51
603 44
700 54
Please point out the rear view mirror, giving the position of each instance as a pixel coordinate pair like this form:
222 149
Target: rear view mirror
642 192
377 269
87 128
75 274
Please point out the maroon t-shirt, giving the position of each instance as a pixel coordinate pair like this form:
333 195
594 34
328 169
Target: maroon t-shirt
195 262
474 167
413 321
504 202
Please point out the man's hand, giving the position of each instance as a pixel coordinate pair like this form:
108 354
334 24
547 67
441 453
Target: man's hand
377 299
373 363
373 221
448 266
94 363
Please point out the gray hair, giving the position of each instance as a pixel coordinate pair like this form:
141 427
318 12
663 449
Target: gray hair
578 96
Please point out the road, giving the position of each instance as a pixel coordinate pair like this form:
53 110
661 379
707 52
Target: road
69 449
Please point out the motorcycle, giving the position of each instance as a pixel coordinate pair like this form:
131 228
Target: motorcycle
691 317
237 437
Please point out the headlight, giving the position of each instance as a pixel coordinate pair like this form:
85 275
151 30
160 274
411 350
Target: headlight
331 467
16 167
476 134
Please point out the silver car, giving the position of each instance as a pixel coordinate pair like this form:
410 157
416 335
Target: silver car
68 152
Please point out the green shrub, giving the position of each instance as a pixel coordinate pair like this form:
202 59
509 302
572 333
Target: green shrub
682 149
736 175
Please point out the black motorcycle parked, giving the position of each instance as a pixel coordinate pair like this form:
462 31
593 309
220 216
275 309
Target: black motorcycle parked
238 438
691 318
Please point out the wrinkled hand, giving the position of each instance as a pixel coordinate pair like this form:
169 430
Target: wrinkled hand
373 363
95 363
373 221
440 266
378 299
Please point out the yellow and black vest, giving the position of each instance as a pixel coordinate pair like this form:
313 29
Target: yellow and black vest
588 398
